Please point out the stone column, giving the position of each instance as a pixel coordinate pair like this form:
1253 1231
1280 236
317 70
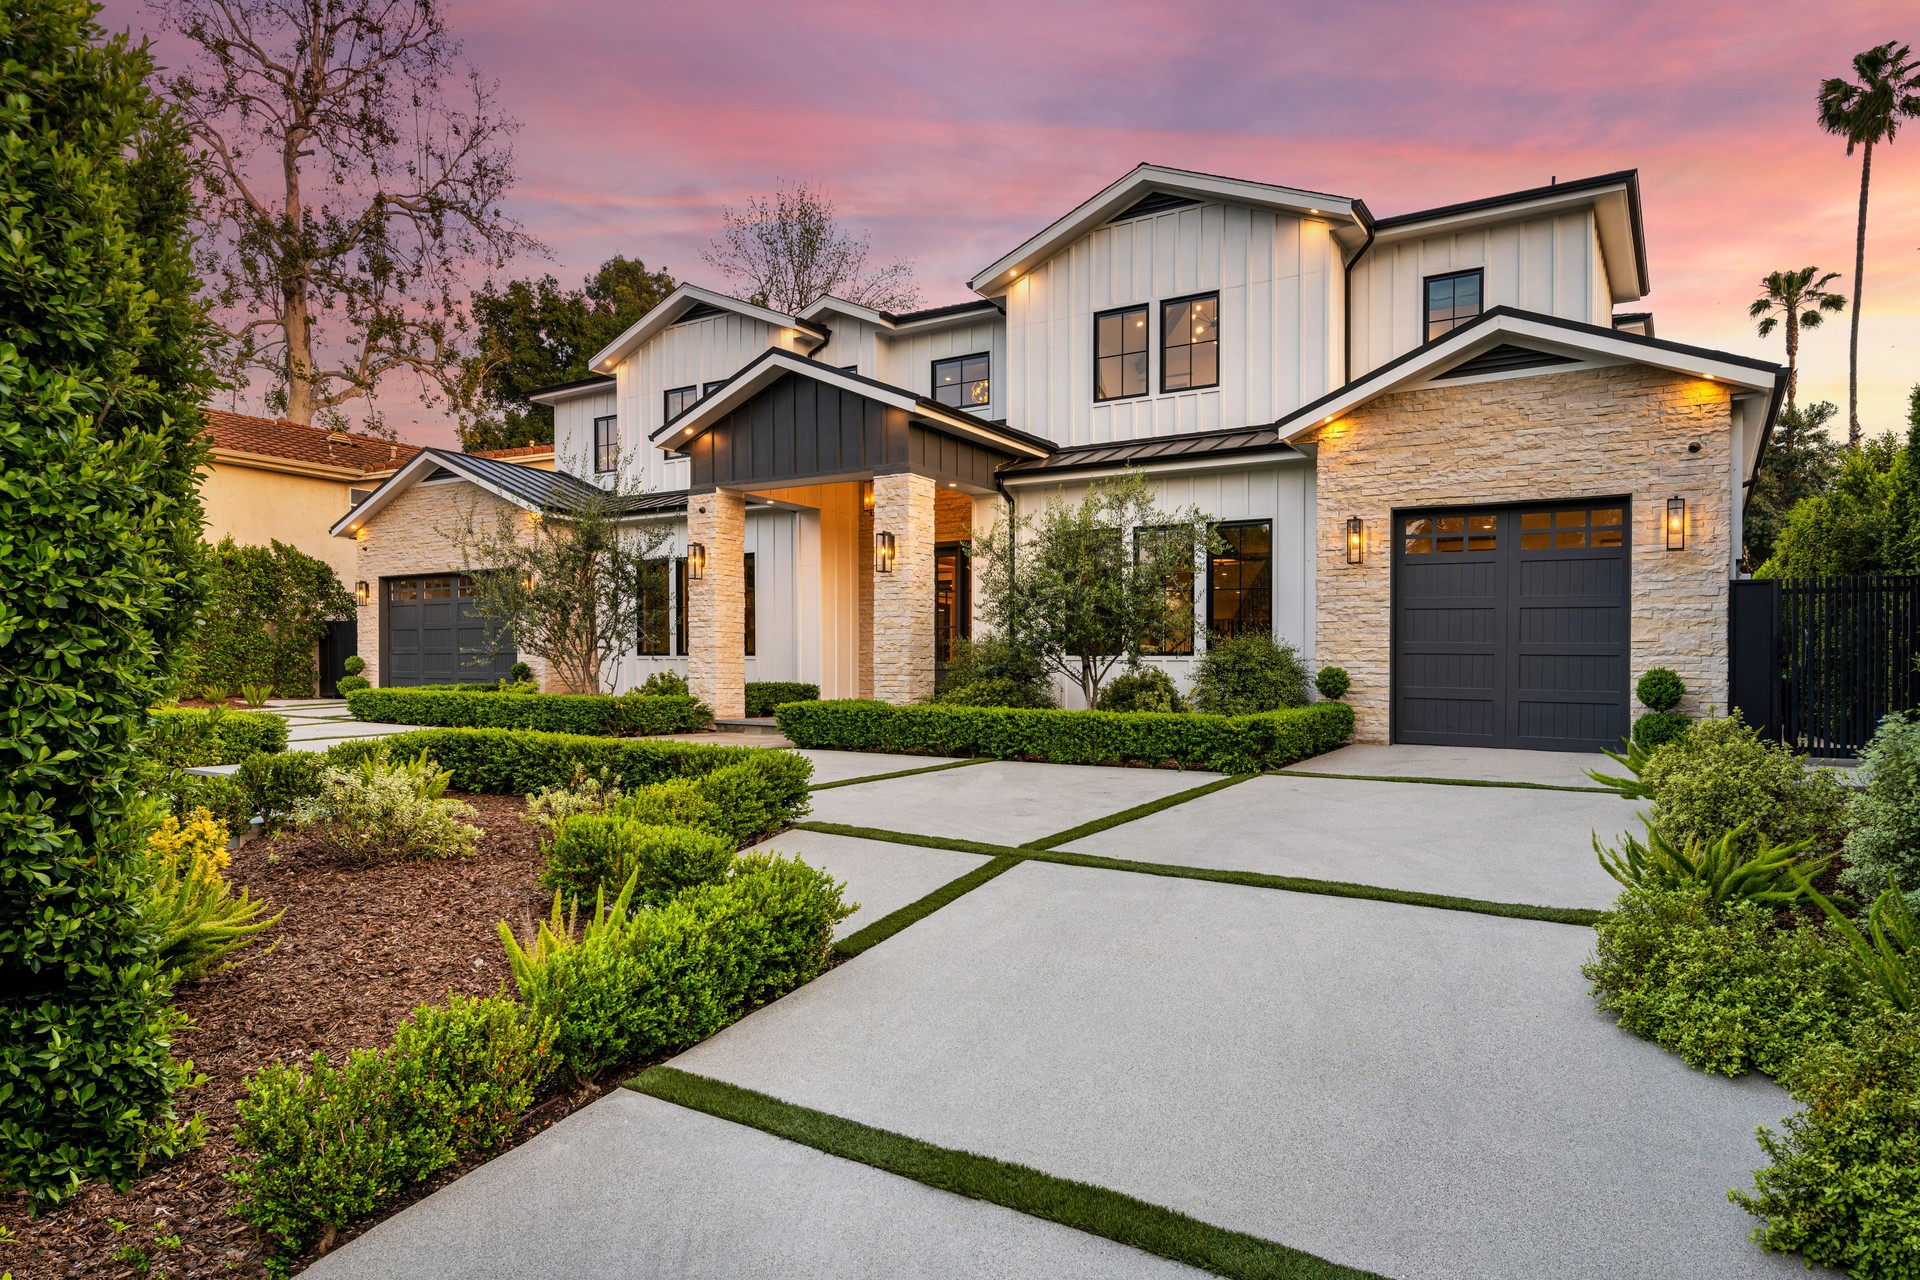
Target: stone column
717 603
903 600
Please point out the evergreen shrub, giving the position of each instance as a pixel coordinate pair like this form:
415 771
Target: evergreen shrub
525 761
594 851
764 695
1142 689
1885 815
1248 674
267 610
621 715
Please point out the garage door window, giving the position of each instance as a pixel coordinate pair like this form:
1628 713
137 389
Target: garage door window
1572 529
1439 535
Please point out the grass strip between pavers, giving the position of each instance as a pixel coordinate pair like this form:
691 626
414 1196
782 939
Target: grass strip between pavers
1443 782
1250 879
903 773
1134 814
1082 1206
893 922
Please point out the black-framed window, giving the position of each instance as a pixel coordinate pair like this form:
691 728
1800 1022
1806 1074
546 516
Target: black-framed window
679 400
606 444
1190 343
680 605
952 599
1240 580
752 639
1120 353
1452 300
850 368
1180 592
708 388
655 588
963 381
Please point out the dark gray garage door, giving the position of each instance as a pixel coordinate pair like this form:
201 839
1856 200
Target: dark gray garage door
1510 626
430 634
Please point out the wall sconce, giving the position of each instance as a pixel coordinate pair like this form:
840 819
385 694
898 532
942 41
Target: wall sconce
1676 524
883 553
866 497
696 560
1356 540
362 592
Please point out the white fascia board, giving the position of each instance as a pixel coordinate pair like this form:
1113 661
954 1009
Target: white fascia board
828 305
574 393
676 304
405 478
1613 222
1116 197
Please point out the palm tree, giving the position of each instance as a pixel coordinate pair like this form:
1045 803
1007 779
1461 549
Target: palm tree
1866 110
1800 301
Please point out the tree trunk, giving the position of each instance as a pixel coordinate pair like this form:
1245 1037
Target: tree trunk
1793 353
295 322
1853 340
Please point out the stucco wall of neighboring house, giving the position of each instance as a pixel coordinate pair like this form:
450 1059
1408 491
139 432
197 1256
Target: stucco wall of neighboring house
254 507
1581 434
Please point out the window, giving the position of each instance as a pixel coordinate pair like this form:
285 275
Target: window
1190 343
357 496
850 368
952 585
1120 354
752 639
708 388
402 590
1240 581
680 605
1572 530
653 608
606 444
1452 300
962 381
1179 593
680 399
1449 534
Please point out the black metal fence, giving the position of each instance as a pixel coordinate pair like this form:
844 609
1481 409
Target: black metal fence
1818 662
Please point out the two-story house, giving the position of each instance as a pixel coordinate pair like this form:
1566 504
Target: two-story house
1437 454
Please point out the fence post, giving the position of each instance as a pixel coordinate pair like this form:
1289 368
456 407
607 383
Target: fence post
1754 668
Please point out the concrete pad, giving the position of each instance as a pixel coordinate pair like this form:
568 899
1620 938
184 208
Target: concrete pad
1485 764
881 877
1427 1094
1002 801
1502 844
338 730
838 766
636 1187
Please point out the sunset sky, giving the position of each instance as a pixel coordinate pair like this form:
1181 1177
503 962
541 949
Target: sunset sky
952 131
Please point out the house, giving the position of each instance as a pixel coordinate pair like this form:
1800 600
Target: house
1436 453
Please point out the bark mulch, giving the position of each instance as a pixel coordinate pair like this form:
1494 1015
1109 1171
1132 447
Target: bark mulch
358 948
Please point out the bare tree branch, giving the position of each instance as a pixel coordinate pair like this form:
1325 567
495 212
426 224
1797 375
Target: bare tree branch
788 252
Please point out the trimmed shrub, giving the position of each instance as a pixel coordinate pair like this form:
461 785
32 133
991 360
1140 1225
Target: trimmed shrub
1727 991
1142 689
1660 690
1658 728
348 684
190 906
666 684
744 802
764 695
623 715
386 808
275 785
1226 744
184 738
523 761
219 794
1333 682
521 673
354 664
992 659
1720 775
1885 840
992 693
591 852
1248 674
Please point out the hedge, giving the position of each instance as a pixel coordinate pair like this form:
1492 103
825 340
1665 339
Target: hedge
184 738
522 761
1225 744
623 716
764 695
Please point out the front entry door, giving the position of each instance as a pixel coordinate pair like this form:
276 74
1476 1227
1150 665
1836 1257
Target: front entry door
952 604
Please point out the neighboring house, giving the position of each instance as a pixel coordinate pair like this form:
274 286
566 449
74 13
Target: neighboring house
1437 456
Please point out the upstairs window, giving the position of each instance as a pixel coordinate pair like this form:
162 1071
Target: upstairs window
680 399
707 389
1190 343
1452 300
1120 354
606 444
963 381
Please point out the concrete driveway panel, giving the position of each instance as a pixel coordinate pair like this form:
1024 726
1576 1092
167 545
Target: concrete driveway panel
1489 764
838 766
881 877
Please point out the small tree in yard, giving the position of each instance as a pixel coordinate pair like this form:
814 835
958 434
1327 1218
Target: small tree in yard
575 588
1087 586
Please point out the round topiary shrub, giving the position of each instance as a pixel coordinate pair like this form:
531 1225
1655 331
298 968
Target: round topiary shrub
348 684
1142 689
1333 682
1660 690
519 673
1657 728
1247 674
354 664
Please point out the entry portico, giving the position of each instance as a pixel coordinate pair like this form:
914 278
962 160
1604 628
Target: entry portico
879 479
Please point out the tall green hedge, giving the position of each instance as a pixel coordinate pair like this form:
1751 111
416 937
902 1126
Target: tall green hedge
625 715
102 369
1226 744
266 610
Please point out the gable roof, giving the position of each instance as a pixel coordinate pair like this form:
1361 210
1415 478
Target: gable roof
676 306
242 439
1145 179
577 387
526 487
828 305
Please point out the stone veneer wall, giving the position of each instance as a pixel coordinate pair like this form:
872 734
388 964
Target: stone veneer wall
717 603
1591 433
903 505
414 534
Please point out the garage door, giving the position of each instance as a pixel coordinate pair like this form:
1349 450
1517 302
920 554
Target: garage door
1510 626
431 634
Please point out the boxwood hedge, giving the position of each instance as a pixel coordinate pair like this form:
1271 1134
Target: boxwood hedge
521 761
764 695
1226 744
186 738
622 716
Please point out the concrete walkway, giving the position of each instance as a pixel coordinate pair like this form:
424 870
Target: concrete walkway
1488 764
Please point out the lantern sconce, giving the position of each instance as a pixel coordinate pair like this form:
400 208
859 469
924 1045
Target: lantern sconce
1676 524
1356 540
696 560
362 592
883 552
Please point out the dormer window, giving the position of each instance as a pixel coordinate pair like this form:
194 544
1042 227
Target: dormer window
1190 343
679 400
709 388
963 381
1452 300
1120 354
606 444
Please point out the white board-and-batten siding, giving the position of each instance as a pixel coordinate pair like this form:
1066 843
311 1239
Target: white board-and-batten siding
573 430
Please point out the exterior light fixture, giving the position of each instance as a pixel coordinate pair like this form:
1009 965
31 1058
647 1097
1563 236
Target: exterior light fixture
1676 524
884 552
696 560
866 497
362 592
1356 540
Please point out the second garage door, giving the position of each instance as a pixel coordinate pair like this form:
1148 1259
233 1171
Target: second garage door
432 635
1510 626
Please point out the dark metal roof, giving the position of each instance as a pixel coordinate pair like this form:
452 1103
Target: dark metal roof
934 313
551 490
593 380
1157 449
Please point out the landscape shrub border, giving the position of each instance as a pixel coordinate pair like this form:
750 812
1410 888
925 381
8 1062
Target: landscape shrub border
764 695
522 761
620 716
240 734
1221 744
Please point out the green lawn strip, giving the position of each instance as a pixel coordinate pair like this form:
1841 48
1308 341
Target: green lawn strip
1250 879
893 922
1138 811
1443 782
1079 1205
903 773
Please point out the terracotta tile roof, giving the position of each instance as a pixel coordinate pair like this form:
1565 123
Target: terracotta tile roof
519 451
278 438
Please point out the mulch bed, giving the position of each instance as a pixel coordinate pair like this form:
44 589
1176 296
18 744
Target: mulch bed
358 948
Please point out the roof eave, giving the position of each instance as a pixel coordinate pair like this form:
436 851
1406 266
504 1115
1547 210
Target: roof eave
683 299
